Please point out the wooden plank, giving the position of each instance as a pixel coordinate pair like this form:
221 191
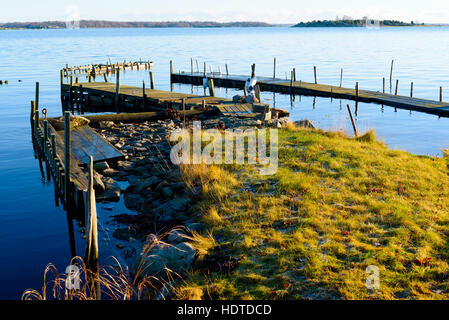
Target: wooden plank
86 142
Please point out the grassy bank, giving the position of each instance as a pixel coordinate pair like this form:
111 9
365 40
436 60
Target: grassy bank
336 206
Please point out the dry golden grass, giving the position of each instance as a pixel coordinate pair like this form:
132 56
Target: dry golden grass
336 206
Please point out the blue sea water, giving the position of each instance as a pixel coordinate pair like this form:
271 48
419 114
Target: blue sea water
35 231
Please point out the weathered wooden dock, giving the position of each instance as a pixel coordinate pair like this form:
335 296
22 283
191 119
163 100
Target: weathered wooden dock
314 89
101 69
109 97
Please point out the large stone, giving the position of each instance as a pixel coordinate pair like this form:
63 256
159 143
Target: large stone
98 183
134 201
305 124
110 172
111 195
100 166
176 237
166 192
143 184
178 259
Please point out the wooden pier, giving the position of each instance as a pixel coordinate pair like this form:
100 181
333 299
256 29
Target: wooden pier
101 69
104 97
294 87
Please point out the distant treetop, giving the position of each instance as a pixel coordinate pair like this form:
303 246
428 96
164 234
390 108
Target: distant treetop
353 23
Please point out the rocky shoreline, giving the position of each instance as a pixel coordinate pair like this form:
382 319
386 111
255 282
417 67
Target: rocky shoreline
152 187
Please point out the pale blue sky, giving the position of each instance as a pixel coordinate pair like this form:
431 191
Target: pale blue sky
273 11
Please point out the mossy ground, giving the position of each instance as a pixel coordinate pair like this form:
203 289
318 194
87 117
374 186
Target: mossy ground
336 206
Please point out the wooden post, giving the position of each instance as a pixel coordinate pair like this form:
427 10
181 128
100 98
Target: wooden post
144 95
197 67
191 66
257 91
391 73
62 76
383 87
411 90
171 67
37 96
151 80
227 70
441 94
33 110
397 85
294 74
53 144
67 156
45 123
357 91
274 69
211 87
117 91
341 78
314 73
291 82
204 105
184 112
91 254
352 121
205 70
253 71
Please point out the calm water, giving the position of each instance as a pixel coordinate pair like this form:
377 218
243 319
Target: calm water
34 231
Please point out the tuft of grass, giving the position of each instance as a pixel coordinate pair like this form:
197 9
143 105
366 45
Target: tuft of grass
369 136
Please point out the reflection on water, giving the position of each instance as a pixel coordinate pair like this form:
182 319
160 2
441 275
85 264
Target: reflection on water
35 230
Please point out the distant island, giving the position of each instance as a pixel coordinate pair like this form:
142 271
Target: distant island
355 23
131 24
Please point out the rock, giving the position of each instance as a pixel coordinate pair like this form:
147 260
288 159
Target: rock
178 259
251 99
76 122
305 124
133 201
126 165
110 172
198 227
98 183
109 183
237 99
111 195
178 204
279 113
166 192
143 184
100 166
105 124
160 186
176 237
122 234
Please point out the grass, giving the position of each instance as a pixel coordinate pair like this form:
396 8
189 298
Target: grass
110 282
336 206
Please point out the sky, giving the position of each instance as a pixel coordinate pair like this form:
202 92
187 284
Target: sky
271 11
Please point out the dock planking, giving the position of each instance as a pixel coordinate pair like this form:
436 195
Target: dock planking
321 90
132 99
84 142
